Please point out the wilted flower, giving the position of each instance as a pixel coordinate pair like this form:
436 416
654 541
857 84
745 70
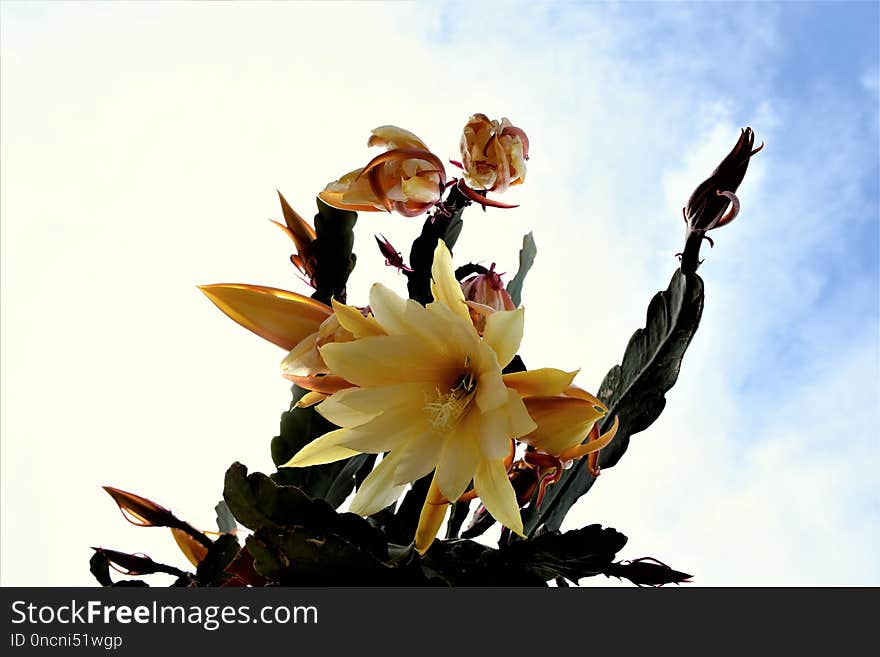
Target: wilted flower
429 391
407 178
493 153
485 293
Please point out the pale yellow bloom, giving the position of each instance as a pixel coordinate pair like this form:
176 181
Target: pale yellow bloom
407 178
429 392
493 153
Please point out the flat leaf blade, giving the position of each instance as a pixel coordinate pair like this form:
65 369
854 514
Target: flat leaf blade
526 260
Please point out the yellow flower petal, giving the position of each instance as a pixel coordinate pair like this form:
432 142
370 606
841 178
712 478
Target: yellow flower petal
351 192
496 492
393 137
191 548
420 189
281 317
351 319
378 490
388 431
304 359
592 446
491 391
444 286
504 332
563 422
419 456
544 382
356 406
310 399
399 316
325 449
431 518
386 360
500 425
324 384
459 457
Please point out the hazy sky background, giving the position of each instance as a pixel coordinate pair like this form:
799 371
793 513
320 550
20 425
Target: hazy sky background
141 148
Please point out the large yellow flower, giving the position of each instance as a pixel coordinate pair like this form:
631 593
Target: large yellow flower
428 390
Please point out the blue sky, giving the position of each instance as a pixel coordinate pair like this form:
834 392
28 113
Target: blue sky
132 171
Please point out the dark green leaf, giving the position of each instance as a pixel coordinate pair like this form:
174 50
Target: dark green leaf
299 427
303 556
401 527
575 554
459 513
211 570
225 520
256 501
332 249
439 226
99 565
526 260
634 391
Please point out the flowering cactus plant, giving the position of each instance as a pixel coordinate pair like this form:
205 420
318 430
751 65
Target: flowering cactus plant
419 408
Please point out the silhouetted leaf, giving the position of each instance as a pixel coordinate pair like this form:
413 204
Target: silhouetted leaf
256 501
647 572
99 566
332 250
299 427
304 556
574 554
211 570
438 226
225 520
459 513
634 391
526 260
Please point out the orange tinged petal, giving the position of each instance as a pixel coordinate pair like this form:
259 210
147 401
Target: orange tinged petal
591 446
191 548
281 317
324 384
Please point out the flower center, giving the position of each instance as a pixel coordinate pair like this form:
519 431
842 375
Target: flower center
445 409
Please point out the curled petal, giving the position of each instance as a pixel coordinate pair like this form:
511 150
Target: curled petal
394 137
591 446
401 154
734 209
482 200
544 382
327 384
563 422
